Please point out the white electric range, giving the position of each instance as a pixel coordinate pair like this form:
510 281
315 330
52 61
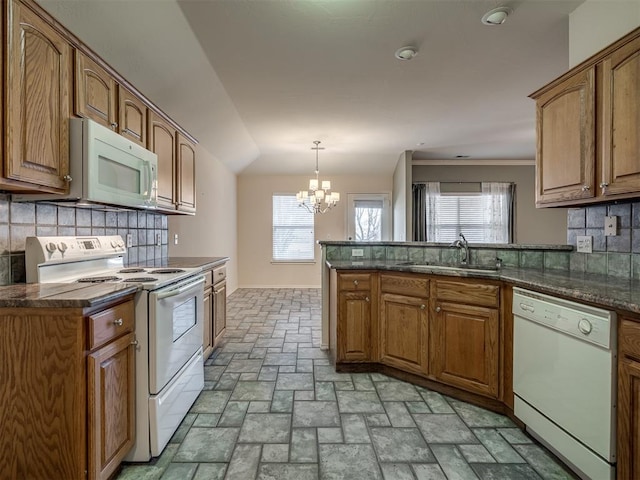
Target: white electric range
169 315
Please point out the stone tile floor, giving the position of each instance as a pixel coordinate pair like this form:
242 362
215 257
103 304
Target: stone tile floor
274 408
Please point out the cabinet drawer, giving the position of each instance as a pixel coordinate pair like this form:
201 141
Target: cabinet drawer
354 281
470 293
411 285
108 324
629 338
219 274
208 279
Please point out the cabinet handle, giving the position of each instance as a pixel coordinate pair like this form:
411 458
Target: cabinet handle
586 188
438 309
67 178
355 282
118 322
366 299
423 306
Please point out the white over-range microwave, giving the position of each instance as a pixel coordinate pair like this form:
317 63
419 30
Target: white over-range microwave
106 168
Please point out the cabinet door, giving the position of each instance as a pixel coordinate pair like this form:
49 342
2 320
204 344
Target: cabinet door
186 175
207 340
465 347
628 419
404 332
162 141
354 326
565 154
37 109
132 114
219 310
95 92
621 121
111 397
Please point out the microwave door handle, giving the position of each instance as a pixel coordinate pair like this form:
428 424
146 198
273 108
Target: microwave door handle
178 291
149 185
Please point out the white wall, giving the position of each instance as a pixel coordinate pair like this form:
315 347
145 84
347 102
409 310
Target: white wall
401 201
597 23
255 268
212 232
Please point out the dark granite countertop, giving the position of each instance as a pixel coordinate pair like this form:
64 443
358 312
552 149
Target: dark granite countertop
61 295
492 246
601 290
185 262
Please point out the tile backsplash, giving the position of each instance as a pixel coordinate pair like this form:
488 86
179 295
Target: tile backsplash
19 220
617 255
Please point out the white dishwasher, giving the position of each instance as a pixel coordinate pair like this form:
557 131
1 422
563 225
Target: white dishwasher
564 379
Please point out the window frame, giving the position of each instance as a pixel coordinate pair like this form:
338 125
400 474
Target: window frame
274 227
385 226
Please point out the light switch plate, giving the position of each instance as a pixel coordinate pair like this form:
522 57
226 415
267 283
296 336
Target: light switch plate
584 243
357 252
158 240
129 240
610 226
175 239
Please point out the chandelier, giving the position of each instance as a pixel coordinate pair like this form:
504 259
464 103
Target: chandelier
318 200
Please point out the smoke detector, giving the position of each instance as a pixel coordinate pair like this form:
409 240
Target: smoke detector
497 16
406 53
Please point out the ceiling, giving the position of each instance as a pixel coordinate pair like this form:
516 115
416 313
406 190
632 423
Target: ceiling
257 81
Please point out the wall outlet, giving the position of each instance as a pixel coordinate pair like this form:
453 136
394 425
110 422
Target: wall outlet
610 226
158 240
357 252
584 243
129 240
175 239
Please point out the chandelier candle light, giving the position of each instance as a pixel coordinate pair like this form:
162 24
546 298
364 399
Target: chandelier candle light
318 200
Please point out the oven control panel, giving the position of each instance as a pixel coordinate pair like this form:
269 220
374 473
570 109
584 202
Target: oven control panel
56 249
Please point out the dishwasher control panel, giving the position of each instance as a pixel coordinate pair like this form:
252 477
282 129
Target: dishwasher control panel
591 324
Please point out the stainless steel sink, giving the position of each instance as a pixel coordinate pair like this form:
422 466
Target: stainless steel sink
459 267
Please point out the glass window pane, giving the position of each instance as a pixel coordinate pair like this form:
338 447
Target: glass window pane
293 230
368 220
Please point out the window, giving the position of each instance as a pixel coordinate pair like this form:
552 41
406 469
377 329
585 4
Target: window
484 216
368 219
293 234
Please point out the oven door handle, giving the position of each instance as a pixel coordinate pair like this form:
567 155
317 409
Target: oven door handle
178 291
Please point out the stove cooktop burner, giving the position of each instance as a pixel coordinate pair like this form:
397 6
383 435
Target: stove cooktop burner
141 279
167 270
106 278
131 270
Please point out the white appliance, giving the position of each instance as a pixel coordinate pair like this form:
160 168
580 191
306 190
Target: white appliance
106 168
169 315
564 371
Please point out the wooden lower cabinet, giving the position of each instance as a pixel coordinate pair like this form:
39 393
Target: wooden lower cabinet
354 327
628 434
67 391
219 311
207 327
464 347
215 308
404 332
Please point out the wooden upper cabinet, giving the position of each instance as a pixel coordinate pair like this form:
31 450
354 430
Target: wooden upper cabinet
186 175
621 121
37 103
162 141
96 92
132 117
565 159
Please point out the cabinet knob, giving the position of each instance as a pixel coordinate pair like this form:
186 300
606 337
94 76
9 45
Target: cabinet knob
118 322
604 186
423 306
134 342
366 299
67 178
586 188
114 125
438 309
355 282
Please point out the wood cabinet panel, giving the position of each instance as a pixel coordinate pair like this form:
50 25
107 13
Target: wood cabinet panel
467 291
111 323
95 92
404 334
186 175
628 425
354 326
207 327
354 281
37 95
111 392
465 347
621 121
132 115
162 141
403 284
219 310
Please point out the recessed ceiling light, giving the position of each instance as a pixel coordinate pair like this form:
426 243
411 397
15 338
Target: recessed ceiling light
497 16
406 53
